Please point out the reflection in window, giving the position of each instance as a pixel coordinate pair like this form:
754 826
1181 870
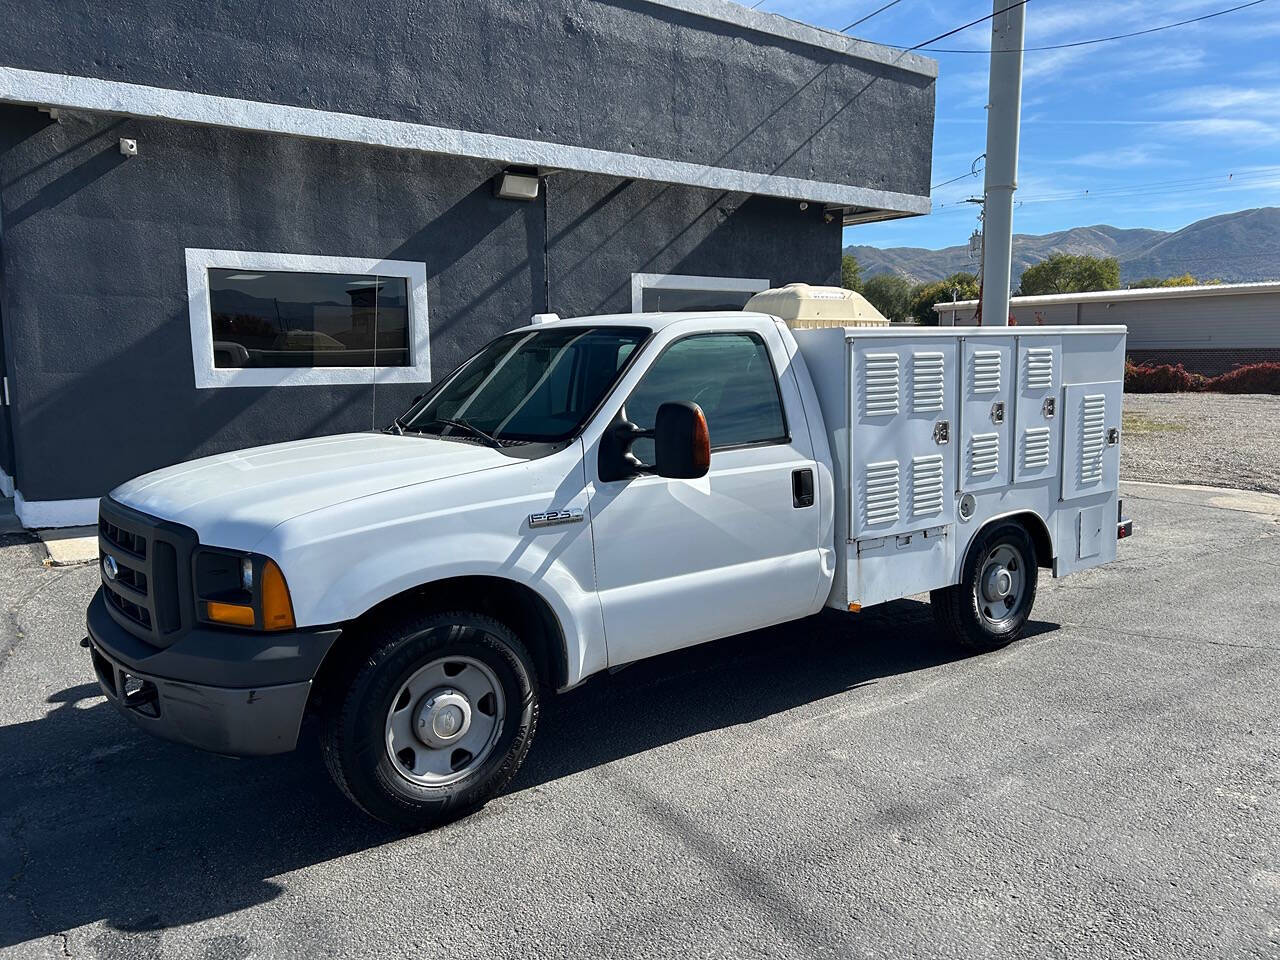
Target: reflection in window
288 319
666 299
728 375
536 386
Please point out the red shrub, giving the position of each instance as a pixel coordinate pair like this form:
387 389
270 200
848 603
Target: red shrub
1161 379
1253 378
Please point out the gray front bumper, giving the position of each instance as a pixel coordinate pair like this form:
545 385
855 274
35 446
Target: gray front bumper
234 720
227 691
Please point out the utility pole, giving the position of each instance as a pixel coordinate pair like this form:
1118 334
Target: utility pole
1004 109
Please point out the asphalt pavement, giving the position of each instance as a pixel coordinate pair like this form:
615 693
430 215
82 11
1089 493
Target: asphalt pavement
844 786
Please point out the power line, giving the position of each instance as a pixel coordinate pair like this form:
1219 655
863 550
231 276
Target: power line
1085 43
963 176
966 26
891 3
1207 186
1153 186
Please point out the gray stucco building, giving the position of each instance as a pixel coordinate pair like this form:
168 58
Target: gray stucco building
231 224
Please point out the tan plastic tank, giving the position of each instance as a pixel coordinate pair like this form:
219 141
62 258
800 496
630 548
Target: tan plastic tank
806 307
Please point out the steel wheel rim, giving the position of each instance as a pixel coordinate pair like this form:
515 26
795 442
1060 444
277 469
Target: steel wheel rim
1001 584
444 720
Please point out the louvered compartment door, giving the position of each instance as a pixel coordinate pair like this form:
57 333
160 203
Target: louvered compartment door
986 414
901 478
1036 425
1091 462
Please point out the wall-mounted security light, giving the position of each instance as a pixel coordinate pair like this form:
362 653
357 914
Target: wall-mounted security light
128 148
517 183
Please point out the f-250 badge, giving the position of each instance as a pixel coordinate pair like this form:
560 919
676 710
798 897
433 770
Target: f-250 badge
553 517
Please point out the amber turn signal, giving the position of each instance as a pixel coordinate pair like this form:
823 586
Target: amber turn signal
701 443
277 607
235 614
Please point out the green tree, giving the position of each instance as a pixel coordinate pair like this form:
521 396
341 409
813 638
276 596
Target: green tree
850 273
888 293
925 295
1185 280
1070 273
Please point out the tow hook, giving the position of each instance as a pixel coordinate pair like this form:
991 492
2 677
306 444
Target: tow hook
139 694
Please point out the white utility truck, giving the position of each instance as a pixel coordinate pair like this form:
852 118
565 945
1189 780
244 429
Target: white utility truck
585 493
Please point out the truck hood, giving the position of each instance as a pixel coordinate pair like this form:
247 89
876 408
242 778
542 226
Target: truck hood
233 499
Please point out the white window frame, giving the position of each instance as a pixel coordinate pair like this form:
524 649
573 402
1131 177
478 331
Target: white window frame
640 282
199 262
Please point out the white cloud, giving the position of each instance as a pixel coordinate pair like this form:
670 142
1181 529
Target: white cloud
1252 102
1236 129
1128 156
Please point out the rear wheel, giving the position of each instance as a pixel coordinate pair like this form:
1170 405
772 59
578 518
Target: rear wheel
991 604
436 720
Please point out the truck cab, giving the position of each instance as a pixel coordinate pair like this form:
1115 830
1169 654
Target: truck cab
578 495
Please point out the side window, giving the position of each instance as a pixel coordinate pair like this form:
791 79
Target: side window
728 375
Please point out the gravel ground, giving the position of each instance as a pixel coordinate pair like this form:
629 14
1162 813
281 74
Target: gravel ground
1216 439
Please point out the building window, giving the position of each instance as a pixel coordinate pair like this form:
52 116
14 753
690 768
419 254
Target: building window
654 292
273 319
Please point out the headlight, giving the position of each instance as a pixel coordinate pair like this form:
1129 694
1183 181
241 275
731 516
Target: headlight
241 590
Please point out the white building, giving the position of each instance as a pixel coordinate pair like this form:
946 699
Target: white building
1208 329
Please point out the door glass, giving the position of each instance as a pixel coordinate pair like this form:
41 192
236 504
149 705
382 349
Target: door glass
728 375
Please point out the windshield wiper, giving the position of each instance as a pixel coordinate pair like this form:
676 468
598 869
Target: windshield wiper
470 428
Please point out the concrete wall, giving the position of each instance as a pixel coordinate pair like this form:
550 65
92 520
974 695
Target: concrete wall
94 297
623 75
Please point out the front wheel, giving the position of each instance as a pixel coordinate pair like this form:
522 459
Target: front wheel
436 720
989 607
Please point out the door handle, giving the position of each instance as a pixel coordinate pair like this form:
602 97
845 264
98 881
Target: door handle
802 488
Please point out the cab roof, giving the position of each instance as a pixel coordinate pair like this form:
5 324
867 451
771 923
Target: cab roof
654 321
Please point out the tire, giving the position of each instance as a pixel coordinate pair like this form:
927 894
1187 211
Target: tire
973 612
461 677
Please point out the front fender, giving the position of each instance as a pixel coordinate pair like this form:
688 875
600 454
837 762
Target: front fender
341 562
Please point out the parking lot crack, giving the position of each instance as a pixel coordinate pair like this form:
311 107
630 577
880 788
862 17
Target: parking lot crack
14 889
13 631
1244 646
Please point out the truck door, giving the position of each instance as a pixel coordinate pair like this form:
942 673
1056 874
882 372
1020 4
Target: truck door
1090 475
1036 418
903 452
986 456
683 561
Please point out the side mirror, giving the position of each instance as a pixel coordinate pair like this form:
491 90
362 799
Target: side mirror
681 441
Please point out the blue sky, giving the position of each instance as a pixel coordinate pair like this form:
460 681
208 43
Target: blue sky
1152 127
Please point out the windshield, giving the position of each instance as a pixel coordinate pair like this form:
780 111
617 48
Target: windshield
534 386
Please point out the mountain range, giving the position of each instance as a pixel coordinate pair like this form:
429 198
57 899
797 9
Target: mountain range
1232 247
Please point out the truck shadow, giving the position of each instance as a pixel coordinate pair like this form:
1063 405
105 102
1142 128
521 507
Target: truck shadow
102 823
